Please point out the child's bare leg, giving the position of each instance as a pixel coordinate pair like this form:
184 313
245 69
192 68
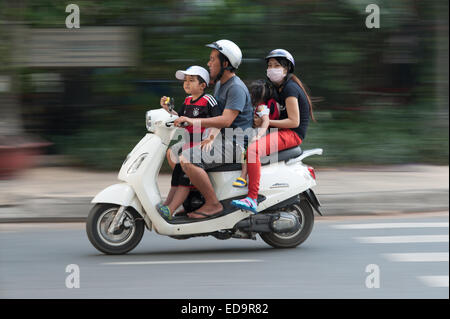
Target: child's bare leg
244 171
179 197
170 196
169 159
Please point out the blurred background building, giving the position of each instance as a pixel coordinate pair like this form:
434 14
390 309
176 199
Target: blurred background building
381 94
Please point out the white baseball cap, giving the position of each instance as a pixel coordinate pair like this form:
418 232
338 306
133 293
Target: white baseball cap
194 70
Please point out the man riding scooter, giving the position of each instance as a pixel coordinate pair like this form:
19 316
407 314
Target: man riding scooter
234 99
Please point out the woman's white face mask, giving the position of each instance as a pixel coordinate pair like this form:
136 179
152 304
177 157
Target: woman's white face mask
276 75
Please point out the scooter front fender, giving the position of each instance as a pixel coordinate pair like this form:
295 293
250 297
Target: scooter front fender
121 194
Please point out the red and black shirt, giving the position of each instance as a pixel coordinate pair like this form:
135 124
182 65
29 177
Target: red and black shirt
203 107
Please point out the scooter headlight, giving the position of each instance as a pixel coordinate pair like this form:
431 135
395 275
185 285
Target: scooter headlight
137 163
148 122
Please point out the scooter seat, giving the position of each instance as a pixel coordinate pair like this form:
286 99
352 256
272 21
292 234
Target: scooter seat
226 168
281 156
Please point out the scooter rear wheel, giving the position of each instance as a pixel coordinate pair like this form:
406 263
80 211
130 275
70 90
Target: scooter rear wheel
126 238
305 214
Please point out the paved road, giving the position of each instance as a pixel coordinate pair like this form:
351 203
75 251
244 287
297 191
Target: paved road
342 257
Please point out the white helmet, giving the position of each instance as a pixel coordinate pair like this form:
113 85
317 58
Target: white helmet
194 70
230 50
282 53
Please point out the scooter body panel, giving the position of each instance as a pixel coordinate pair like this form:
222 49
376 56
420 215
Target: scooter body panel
121 194
278 182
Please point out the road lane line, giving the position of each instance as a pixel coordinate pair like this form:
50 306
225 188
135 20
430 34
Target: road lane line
435 281
403 239
164 262
417 257
391 225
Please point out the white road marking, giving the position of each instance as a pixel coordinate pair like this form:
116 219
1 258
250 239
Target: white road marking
435 281
164 262
417 257
391 225
403 239
22 227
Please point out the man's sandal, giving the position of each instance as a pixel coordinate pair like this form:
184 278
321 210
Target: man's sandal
203 214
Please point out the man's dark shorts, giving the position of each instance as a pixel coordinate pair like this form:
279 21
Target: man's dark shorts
179 178
223 151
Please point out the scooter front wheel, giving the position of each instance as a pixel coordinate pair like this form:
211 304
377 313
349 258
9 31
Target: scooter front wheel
123 240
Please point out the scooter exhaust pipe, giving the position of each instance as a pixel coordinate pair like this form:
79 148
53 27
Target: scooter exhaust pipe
270 223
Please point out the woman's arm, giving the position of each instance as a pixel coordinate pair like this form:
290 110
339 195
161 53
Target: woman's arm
293 113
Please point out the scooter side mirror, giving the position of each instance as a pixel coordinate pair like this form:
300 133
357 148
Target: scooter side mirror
171 104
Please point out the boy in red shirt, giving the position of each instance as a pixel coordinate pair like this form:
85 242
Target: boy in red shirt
196 105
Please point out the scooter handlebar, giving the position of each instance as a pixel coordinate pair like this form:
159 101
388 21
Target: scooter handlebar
171 124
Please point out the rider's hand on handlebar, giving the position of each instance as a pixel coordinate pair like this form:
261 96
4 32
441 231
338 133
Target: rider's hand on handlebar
183 119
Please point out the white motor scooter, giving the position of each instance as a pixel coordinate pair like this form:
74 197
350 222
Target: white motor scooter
116 223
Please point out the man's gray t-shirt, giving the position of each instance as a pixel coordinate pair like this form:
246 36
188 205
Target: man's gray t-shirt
234 95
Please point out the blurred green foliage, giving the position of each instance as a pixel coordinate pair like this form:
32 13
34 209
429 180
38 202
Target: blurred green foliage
379 90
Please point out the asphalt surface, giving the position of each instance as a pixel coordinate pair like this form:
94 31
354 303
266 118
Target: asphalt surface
386 256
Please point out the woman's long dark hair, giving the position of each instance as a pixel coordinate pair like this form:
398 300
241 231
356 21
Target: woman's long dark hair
287 65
